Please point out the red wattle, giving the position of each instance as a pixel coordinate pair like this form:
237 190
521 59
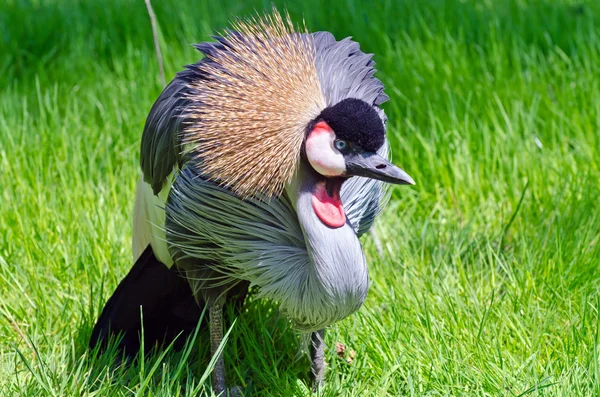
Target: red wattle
328 208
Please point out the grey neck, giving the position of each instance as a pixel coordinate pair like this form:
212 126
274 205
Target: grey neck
337 280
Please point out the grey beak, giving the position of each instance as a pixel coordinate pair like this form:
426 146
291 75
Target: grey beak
372 165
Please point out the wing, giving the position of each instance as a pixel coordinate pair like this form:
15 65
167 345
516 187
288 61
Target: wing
160 147
160 156
161 141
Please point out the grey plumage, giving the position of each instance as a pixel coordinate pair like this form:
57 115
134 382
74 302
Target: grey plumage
364 199
263 242
345 71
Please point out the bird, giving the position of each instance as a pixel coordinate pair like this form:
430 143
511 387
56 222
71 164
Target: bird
261 166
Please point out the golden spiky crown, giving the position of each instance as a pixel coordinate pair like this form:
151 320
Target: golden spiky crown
249 113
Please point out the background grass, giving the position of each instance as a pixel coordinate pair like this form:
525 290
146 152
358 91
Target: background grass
490 276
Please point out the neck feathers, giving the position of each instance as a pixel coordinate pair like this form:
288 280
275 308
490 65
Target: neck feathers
337 280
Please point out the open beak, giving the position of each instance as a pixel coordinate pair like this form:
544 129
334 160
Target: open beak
372 165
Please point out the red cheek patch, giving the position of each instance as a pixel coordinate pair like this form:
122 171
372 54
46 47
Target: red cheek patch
328 208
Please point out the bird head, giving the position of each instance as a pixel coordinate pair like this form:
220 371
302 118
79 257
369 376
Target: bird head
267 98
344 140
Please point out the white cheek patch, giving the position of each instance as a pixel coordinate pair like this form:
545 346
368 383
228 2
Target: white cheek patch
321 153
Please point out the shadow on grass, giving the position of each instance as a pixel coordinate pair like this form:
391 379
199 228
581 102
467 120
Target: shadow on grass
262 356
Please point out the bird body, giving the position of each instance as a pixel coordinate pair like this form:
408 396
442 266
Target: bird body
248 158
281 257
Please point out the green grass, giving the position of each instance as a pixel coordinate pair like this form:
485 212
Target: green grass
489 283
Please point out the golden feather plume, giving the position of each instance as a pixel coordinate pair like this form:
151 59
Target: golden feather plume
251 112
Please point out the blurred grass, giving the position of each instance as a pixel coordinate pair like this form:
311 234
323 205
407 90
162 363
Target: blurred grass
491 269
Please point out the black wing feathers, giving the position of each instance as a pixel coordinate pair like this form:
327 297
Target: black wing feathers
167 302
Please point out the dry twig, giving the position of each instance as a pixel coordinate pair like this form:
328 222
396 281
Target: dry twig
156 43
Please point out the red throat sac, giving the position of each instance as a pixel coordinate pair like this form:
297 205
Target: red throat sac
327 204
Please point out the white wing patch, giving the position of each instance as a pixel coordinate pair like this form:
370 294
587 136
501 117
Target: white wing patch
149 221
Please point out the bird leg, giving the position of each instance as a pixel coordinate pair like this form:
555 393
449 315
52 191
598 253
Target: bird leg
215 314
317 358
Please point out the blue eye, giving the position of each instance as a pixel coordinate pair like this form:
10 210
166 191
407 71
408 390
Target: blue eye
340 144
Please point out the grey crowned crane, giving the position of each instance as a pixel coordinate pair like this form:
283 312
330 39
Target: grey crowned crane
262 165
